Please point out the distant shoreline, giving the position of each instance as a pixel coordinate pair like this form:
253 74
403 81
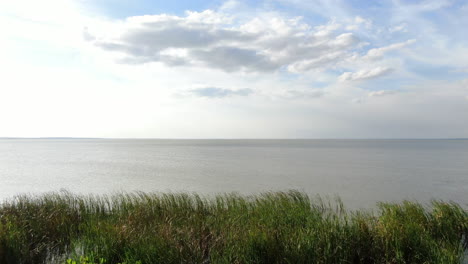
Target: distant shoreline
370 139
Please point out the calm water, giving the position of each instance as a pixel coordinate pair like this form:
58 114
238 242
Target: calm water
360 171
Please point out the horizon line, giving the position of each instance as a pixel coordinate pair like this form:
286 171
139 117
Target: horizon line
302 138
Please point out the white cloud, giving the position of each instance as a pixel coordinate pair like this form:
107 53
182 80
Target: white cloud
359 22
317 63
377 53
464 82
431 5
381 93
213 40
304 94
229 5
216 92
47 11
399 28
364 74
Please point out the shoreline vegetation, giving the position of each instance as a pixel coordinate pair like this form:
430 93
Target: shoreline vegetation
276 227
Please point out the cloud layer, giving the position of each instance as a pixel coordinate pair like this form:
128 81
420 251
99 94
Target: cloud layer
365 74
275 68
216 40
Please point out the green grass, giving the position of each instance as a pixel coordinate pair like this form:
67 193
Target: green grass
280 227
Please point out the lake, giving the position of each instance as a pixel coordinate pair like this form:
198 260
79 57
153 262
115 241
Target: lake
361 172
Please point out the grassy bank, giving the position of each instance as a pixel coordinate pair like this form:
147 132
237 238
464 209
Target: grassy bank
285 227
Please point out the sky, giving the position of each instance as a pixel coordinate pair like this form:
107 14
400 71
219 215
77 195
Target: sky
234 69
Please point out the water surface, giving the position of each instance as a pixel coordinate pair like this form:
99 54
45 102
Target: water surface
361 172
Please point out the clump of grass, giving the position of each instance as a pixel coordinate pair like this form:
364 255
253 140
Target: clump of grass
279 227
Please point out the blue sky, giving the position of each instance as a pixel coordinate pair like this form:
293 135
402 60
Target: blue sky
120 9
234 69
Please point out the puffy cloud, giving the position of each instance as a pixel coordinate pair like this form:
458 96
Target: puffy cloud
215 40
364 74
216 92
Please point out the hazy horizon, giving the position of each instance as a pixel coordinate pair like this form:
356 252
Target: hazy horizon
123 138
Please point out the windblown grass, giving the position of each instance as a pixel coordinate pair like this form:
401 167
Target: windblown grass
280 227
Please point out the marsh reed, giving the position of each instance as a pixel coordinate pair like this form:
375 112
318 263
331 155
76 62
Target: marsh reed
276 227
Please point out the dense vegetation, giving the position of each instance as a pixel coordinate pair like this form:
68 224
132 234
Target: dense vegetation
281 227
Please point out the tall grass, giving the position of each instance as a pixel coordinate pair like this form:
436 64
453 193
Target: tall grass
280 227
